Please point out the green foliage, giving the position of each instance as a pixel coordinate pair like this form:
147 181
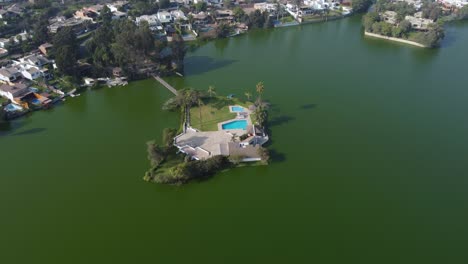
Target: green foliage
264 154
431 10
463 12
257 19
156 154
432 37
223 30
382 5
369 19
183 172
402 9
164 4
239 14
178 52
168 136
201 6
41 32
360 6
261 115
105 16
243 137
65 51
120 43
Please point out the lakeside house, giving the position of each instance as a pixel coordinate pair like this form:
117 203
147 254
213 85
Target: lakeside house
389 17
13 91
9 74
201 145
77 24
3 52
416 20
30 67
454 3
4 43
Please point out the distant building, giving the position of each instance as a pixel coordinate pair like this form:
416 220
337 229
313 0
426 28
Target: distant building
9 74
75 23
389 17
13 91
419 23
45 48
454 3
3 52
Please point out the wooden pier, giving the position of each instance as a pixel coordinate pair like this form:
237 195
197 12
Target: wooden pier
165 84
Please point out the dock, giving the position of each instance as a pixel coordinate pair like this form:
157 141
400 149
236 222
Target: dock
165 84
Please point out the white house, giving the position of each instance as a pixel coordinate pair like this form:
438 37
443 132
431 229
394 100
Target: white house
152 20
454 3
10 92
9 74
35 60
4 43
3 52
164 17
31 73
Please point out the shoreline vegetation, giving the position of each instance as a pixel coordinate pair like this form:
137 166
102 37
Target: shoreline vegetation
415 22
405 41
174 163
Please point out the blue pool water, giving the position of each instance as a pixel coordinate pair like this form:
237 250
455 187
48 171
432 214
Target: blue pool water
237 109
238 124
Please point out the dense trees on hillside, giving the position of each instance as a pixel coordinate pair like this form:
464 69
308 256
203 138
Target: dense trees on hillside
65 51
431 10
463 12
361 6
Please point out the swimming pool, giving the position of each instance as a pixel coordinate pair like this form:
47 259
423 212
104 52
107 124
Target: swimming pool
238 124
237 109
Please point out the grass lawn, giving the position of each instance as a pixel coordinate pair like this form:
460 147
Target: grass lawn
214 110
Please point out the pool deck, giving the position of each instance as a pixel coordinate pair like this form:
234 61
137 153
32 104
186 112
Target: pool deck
244 115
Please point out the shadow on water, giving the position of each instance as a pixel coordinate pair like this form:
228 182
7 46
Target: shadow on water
280 120
308 106
276 156
30 131
202 64
9 127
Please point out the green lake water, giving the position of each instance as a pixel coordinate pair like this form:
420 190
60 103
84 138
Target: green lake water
370 147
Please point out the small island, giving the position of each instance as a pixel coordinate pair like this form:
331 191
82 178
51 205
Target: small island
414 22
216 133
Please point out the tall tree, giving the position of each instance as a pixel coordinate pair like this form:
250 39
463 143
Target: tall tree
260 88
178 51
211 90
200 104
41 32
248 95
105 15
66 51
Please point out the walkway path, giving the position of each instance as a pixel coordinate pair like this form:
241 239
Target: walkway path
165 84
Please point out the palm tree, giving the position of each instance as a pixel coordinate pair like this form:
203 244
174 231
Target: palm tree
234 137
211 90
185 99
260 89
261 115
200 104
248 95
